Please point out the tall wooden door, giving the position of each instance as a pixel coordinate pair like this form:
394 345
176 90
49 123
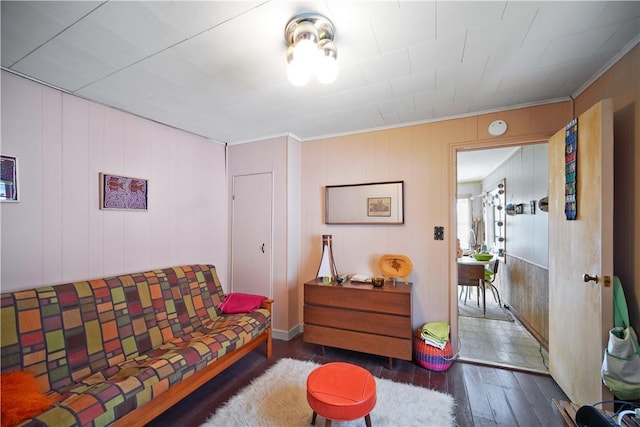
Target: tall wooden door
580 312
251 234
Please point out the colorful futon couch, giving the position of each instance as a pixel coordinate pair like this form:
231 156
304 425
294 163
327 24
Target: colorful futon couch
123 349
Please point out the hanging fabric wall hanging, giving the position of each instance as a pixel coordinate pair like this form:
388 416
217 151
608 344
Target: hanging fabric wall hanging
571 170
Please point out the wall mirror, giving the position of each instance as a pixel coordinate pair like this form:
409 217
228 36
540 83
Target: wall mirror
370 203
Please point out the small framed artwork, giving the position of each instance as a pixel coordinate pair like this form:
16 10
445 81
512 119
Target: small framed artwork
123 193
8 179
379 206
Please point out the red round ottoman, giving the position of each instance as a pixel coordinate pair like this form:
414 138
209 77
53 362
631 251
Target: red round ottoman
341 392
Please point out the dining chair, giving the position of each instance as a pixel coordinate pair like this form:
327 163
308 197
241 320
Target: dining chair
490 274
464 289
473 275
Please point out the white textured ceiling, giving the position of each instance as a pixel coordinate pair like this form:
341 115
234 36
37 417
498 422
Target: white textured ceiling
217 69
476 165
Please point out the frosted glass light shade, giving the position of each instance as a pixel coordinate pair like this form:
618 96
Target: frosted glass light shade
298 73
306 50
311 49
326 70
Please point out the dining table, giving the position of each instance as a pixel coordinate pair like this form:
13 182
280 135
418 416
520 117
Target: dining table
469 259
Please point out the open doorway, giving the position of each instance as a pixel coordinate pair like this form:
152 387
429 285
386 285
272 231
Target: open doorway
493 184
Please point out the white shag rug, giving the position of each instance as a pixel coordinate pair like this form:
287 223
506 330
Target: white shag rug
278 398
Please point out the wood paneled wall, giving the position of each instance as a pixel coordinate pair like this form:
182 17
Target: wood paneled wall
622 84
525 286
423 156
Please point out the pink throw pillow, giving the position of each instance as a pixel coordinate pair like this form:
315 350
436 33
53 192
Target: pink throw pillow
237 302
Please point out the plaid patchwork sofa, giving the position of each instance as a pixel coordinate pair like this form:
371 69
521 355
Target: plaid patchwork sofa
123 349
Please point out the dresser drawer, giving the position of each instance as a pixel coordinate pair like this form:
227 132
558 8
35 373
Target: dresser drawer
359 341
362 321
354 298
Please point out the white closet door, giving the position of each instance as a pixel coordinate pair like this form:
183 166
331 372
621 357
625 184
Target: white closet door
251 239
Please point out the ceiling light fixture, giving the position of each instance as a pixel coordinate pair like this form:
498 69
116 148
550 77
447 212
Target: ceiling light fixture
311 49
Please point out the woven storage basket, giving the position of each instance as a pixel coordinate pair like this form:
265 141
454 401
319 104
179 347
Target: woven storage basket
431 357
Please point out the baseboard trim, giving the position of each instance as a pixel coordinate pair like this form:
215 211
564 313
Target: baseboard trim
279 334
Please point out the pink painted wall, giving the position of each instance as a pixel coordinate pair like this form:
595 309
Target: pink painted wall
280 157
57 234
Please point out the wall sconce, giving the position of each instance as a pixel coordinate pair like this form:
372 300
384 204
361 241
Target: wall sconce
516 209
311 49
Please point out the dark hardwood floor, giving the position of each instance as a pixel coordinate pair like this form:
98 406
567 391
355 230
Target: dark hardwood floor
485 396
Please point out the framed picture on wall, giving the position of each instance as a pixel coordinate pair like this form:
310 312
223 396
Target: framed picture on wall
8 179
379 206
123 193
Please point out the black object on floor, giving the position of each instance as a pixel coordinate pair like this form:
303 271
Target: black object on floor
588 416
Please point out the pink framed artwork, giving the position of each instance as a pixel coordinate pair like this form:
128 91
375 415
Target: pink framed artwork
123 193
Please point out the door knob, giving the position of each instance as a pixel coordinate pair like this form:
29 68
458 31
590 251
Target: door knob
588 278
262 248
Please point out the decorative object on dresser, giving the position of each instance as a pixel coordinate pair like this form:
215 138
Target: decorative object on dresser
360 317
377 281
396 266
327 270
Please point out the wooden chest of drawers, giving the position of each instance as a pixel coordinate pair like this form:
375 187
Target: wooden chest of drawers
360 317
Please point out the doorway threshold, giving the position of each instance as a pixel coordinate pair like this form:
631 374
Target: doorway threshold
491 364
502 344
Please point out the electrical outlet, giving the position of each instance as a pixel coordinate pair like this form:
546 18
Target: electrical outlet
438 232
